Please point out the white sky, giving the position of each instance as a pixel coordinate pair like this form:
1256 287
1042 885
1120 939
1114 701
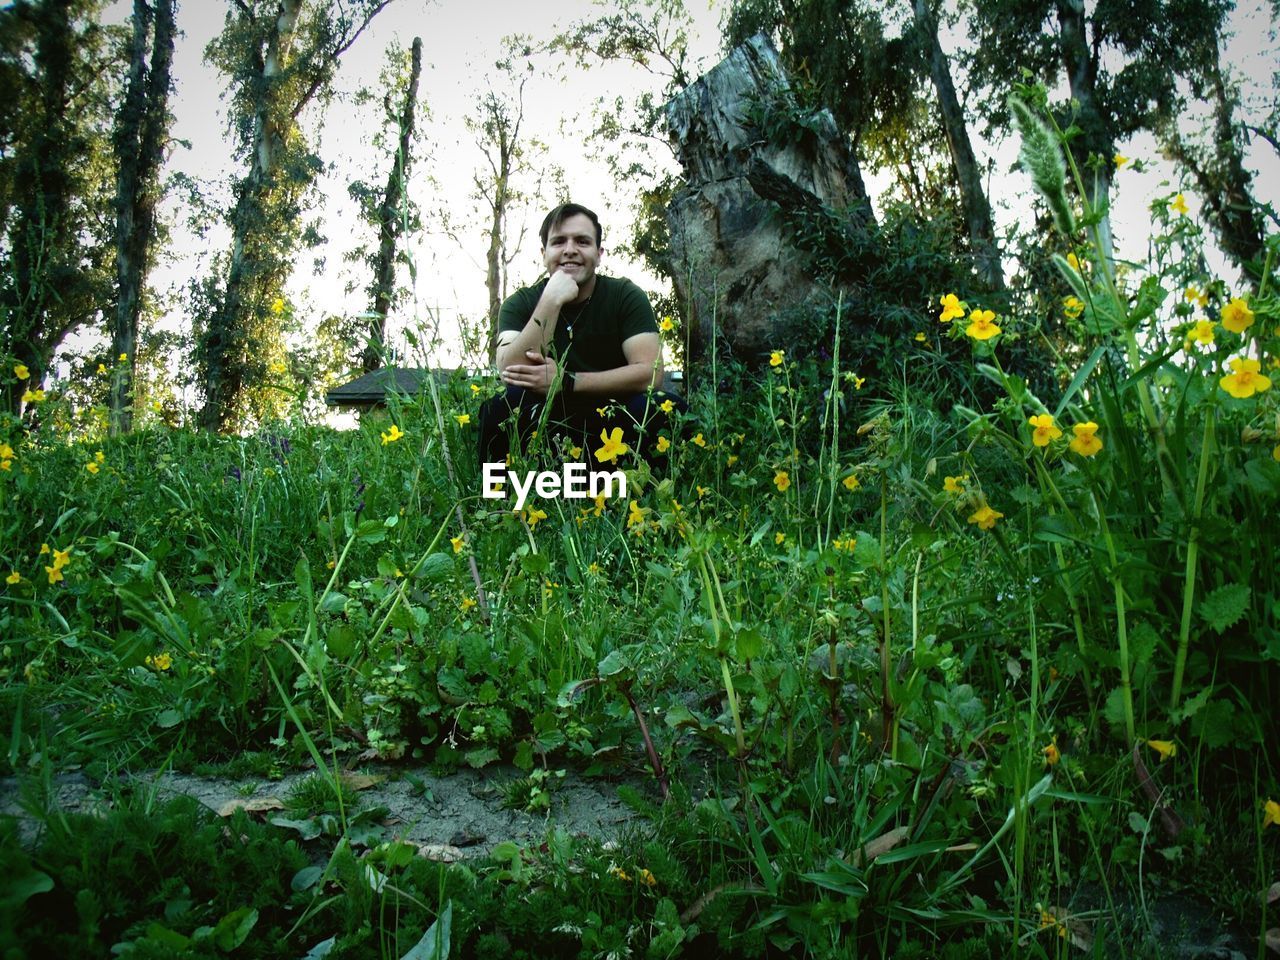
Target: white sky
461 40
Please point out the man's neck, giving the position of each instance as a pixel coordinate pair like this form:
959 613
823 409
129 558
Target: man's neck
585 291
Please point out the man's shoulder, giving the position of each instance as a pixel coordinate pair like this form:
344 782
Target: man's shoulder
618 286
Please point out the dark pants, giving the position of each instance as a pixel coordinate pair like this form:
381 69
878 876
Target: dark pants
579 421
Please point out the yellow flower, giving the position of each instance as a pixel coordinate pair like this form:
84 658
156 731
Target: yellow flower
981 325
1202 332
1074 262
6 451
636 516
920 338
663 444
102 368
858 382
779 538
781 480
44 548
699 440
1166 748
277 306
951 308
599 500
985 517
1119 160
731 459
1179 205
702 491
1072 307
55 574
613 446
392 435
1270 814
33 396
1194 295
1236 316
955 484
462 418
619 873
100 457
666 406
1047 920
851 482
91 467
20 371
13 577
466 604
533 517
1246 381
775 358
123 357
593 569
1052 754
458 544
161 662
1085 443
475 388
667 325
61 558
1045 429
6 464
647 878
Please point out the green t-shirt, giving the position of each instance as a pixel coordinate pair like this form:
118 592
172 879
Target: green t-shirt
589 336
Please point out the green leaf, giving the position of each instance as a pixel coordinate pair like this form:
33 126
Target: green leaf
434 944
614 664
481 757
750 643
168 718
306 878
1078 380
233 929
436 567
371 531
387 565
1225 606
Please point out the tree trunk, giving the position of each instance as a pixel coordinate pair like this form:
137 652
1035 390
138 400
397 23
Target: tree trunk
226 343
1081 66
973 199
494 258
390 221
140 128
42 186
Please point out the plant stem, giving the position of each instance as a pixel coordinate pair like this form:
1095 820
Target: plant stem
1122 631
1193 552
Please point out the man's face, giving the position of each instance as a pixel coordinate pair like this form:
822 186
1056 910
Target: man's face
571 247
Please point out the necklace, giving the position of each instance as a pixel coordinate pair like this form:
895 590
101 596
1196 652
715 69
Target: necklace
570 321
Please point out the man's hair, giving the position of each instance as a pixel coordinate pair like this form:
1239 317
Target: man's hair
562 213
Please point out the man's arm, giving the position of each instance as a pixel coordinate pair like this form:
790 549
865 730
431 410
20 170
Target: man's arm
644 368
540 329
643 353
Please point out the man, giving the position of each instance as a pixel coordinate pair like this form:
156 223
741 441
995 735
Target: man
581 345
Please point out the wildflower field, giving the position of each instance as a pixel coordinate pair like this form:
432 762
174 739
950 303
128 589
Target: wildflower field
877 671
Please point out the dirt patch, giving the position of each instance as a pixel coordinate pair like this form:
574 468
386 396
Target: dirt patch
464 810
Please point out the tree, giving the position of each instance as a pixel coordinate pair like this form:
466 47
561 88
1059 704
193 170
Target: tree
59 68
278 57
141 127
973 198
497 132
392 215
1218 170
1121 60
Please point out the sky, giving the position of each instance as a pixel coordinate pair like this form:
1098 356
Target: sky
459 50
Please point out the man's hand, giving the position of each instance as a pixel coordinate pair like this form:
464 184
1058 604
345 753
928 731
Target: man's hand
561 288
537 375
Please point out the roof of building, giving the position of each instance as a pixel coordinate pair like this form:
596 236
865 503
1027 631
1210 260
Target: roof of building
371 388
